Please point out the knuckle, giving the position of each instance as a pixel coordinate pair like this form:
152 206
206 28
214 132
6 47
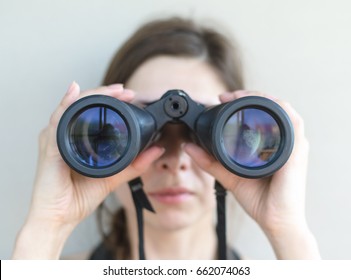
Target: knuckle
55 116
43 134
42 139
53 120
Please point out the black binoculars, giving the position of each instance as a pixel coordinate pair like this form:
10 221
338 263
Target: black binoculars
99 136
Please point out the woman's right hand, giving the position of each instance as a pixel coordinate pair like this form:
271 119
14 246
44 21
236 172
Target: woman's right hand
62 198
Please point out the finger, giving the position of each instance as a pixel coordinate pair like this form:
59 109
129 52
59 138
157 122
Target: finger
210 165
107 90
137 168
203 159
115 90
300 141
292 113
47 138
71 96
226 97
295 118
244 93
143 161
229 96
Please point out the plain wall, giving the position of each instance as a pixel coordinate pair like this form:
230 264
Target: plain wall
299 51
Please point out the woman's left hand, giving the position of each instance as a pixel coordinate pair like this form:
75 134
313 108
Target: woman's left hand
276 203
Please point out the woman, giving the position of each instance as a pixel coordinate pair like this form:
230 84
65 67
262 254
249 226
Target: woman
178 175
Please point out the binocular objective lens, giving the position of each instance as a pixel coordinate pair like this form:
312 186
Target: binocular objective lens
98 136
251 137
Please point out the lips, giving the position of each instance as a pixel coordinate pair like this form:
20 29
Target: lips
172 195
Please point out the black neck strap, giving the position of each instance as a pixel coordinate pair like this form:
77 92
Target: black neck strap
141 201
221 221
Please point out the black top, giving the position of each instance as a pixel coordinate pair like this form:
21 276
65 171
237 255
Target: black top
103 253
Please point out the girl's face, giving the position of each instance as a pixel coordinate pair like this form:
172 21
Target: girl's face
181 193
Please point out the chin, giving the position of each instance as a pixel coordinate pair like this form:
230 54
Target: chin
173 220
170 220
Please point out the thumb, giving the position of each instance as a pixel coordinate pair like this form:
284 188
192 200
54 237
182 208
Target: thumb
211 165
136 168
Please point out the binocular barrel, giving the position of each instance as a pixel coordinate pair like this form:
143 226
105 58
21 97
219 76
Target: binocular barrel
99 136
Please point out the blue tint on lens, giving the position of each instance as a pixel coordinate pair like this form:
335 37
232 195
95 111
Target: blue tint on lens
251 137
99 136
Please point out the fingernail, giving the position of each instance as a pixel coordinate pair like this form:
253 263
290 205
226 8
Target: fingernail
116 86
240 93
71 88
226 97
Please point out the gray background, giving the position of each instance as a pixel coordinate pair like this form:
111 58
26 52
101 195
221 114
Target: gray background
297 50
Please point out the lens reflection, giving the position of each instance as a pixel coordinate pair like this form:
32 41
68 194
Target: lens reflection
251 137
99 136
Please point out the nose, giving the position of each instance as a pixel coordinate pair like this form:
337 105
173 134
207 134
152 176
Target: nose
173 136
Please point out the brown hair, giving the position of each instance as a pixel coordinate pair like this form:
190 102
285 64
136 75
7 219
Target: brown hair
174 37
177 37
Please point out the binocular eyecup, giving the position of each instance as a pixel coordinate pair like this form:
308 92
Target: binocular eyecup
99 136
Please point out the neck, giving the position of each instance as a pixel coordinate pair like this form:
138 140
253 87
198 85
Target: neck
197 241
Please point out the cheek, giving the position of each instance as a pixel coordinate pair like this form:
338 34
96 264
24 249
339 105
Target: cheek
124 196
208 192
203 178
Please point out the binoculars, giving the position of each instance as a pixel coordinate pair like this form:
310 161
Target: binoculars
99 136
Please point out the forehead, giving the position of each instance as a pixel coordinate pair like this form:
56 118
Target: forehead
160 74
